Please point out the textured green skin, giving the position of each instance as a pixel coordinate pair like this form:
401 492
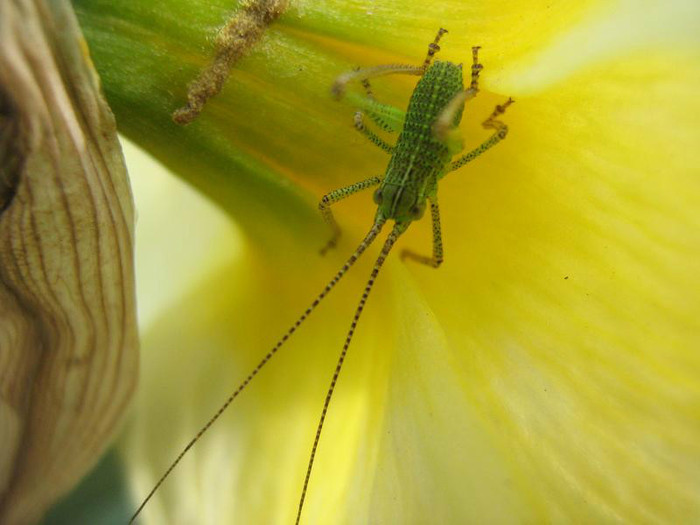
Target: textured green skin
419 158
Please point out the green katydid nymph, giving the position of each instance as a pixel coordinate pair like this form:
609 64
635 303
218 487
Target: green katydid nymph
423 154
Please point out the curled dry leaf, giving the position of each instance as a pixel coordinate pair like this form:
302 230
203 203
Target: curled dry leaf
68 339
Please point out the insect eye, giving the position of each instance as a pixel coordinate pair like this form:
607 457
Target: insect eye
378 197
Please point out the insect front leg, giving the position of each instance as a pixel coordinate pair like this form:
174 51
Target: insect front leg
437 258
501 130
331 198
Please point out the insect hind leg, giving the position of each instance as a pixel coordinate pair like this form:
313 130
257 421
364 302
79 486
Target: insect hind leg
342 81
476 69
492 123
433 48
444 123
364 75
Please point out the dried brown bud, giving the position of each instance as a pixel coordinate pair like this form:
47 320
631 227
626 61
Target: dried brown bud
68 339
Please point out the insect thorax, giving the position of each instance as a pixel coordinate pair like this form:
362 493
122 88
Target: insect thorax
419 157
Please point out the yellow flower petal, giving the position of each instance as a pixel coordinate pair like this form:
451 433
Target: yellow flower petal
570 309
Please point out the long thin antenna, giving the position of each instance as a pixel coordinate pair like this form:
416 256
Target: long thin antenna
391 239
376 228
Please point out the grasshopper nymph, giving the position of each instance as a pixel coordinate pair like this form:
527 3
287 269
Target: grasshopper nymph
423 154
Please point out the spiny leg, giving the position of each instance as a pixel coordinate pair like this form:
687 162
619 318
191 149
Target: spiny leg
369 238
389 118
360 125
437 258
391 239
338 88
367 87
331 198
445 122
498 136
492 123
364 75
433 48
385 116
373 137
476 68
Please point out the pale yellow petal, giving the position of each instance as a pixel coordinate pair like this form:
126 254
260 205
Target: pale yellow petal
569 306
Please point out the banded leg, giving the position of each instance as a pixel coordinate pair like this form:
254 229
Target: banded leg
387 117
445 122
331 198
501 130
373 137
433 48
376 115
364 75
367 87
437 258
338 88
476 69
